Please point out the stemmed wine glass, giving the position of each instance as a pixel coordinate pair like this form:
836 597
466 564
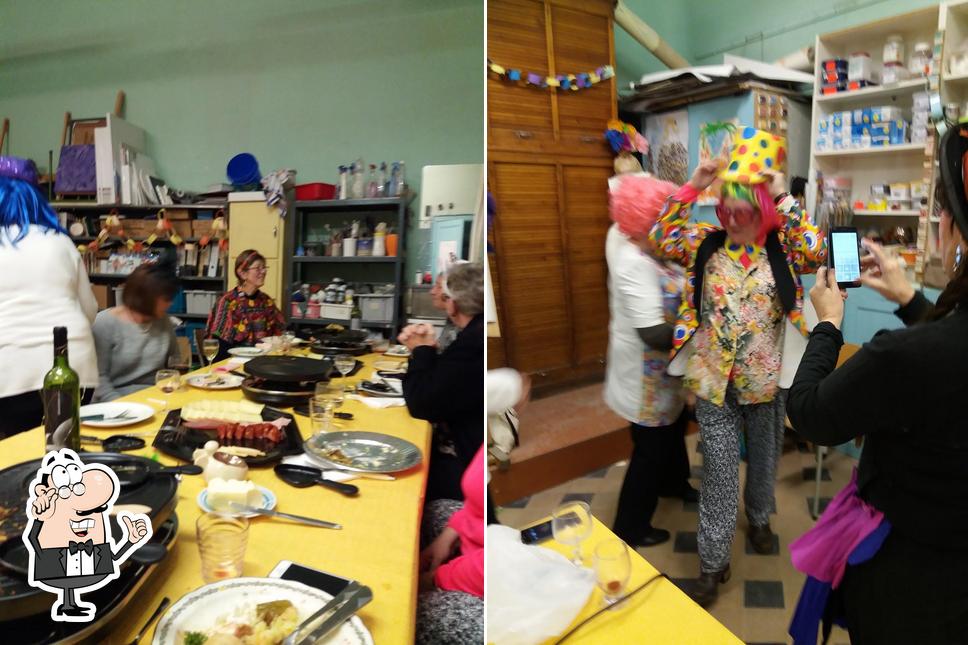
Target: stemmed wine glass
344 364
167 381
571 523
612 568
210 350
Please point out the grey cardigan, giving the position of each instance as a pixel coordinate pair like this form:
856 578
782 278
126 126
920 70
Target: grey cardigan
128 355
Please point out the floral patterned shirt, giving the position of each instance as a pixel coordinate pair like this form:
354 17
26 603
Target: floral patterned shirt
241 319
674 237
740 336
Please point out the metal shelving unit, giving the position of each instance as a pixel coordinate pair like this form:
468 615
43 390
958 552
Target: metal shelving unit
393 211
143 212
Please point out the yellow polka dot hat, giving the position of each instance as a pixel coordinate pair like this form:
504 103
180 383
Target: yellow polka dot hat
753 153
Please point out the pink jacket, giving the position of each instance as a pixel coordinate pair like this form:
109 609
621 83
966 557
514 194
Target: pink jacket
465 572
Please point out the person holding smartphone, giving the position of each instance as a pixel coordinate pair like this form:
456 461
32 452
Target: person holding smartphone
743 287
890 553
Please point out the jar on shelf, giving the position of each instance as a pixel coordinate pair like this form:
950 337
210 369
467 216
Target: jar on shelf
894 73
920 64
894 50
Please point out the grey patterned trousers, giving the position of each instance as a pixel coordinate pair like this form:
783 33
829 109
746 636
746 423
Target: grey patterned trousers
446 617
719 428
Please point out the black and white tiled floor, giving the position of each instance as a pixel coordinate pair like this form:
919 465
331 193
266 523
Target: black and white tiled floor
758 601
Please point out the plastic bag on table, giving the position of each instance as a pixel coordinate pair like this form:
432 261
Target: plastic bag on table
533 593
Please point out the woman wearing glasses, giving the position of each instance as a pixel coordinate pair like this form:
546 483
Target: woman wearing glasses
245 315
743 281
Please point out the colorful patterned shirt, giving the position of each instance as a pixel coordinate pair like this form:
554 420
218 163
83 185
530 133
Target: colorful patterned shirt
675 238
740 340
241 319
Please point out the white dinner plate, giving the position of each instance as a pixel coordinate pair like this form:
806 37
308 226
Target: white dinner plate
200 610
398 351
246 352
215 381
136 413
268 502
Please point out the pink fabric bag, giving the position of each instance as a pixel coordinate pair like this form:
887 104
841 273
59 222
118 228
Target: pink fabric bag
822 551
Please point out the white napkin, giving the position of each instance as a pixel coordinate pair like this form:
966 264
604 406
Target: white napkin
379 403
232 364
332 475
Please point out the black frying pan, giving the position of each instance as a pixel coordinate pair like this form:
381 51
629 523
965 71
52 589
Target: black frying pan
289 368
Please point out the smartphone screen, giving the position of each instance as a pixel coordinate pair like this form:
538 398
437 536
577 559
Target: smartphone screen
537 534
845 255
313 577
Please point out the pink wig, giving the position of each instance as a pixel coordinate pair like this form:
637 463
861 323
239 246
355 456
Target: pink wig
636 202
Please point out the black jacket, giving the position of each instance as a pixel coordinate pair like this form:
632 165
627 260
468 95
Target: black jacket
904 391
448 388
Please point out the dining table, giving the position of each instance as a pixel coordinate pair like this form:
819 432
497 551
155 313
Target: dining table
378 544
661 613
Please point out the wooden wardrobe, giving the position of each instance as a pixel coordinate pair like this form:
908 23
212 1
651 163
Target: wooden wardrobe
548 166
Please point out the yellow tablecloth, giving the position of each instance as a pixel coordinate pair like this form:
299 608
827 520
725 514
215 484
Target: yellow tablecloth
378 544
660 614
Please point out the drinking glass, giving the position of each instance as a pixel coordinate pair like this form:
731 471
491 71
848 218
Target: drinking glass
333 392
167 381
321 413
288 340
210 350
344 364
222 539
571 523
612 568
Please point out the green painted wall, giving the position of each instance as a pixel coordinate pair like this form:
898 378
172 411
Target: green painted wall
303 84
762 29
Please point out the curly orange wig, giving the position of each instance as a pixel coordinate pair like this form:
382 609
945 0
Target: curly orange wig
636 202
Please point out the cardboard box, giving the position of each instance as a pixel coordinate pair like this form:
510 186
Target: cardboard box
201 228
139 229
177 213
104 295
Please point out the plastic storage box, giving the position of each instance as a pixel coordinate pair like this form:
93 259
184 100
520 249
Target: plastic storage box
376 308
318 190
336 312
200 302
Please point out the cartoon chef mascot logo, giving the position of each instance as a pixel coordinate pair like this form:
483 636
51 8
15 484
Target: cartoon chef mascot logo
68 535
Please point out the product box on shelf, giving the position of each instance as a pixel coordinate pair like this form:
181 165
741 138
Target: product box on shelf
885 113
922 101
833 88
823 125
201 228
177 213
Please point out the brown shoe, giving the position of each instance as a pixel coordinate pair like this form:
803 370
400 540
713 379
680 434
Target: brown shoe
761 538
706 588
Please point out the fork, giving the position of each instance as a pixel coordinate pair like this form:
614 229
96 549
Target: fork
125 414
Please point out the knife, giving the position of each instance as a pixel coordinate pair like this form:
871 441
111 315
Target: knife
289 516
346 603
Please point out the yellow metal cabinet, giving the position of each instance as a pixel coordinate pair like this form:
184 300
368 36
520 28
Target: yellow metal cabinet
253 225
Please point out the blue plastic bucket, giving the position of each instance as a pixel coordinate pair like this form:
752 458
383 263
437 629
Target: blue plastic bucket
243 170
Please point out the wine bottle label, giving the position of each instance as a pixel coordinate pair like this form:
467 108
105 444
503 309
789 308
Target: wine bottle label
59 420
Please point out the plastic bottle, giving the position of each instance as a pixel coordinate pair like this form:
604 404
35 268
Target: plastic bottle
358 190
381 187
401 184
343 188
371 184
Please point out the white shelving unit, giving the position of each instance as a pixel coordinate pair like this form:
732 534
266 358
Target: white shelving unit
884 164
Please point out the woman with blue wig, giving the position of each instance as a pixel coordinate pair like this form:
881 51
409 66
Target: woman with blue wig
44 285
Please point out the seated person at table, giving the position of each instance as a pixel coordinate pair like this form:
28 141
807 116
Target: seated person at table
245 315
450 607
136 338
448 388
44 285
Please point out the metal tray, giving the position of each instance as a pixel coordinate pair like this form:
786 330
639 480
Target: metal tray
366 452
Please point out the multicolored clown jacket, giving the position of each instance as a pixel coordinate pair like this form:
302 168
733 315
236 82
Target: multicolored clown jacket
796 248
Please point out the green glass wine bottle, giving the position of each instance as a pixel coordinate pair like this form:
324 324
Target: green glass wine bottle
62 399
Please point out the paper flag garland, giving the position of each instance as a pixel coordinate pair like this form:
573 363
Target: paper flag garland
574 82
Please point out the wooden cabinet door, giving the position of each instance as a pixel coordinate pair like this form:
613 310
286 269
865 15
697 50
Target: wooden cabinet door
585 214
582 42
530 256
519 117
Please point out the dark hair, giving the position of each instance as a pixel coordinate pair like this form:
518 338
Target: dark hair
798 186
956 291
245 260
148 283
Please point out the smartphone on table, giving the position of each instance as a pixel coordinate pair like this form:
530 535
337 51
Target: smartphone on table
288 570
542 532
843 254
